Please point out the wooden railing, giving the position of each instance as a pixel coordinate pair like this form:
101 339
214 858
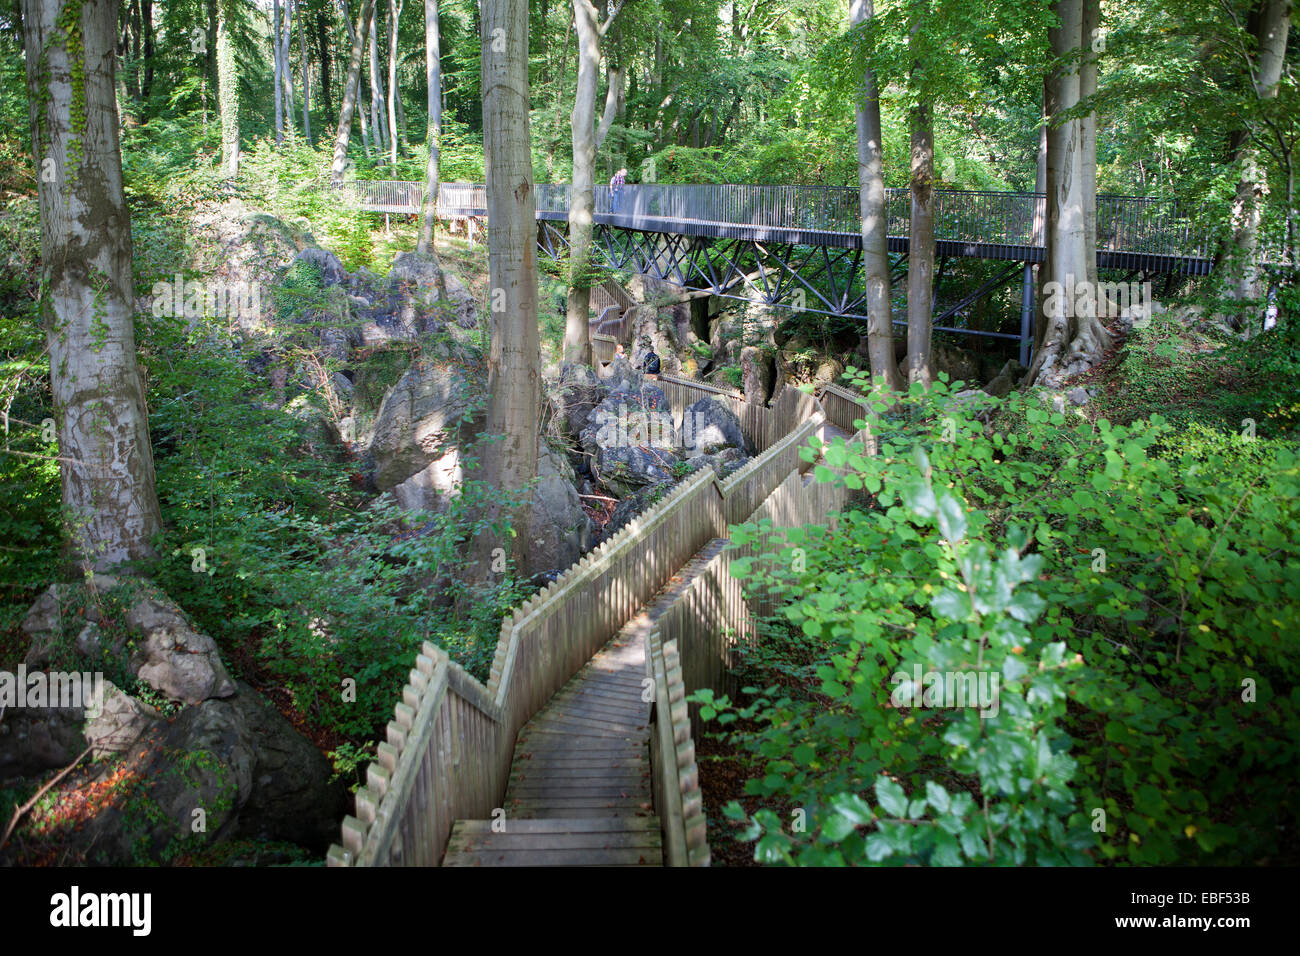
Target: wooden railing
448 749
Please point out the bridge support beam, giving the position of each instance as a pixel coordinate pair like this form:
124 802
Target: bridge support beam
1027 315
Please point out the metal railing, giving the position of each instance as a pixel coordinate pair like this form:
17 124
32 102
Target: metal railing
1129 224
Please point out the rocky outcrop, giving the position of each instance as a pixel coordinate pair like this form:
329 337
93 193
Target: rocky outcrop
431 413
709 426
559 532
169 654
631 439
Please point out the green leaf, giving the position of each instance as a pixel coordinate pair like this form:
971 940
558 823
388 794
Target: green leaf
891 797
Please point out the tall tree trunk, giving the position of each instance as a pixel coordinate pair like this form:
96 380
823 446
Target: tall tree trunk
227 94
582 203
875 222
323 51
433 73
306 78
513 360
1072 332
376 86
146 18
277 66
1092 45
1274 19
286 69
350 88
87 296
920 255
394 12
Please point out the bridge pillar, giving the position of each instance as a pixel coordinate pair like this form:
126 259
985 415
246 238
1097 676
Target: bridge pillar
1027 315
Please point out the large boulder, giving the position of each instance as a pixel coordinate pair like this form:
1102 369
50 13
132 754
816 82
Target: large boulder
433 407
559 532
708 426
631 438
240 763
34 740
168 653
331 269
174 658
576 395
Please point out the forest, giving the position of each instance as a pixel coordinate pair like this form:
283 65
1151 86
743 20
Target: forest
657 432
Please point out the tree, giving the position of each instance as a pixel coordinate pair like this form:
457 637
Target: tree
433 67
87 298
377 111
586 140
394 14
350 90
227 94
1264 59
875 221
920 259
1070 333
306 78
510 458
277 68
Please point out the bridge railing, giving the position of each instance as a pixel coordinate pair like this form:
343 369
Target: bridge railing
1125 224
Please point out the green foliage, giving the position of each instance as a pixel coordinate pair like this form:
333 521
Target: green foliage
1147 576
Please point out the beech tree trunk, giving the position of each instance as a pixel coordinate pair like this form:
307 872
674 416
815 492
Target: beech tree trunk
1092 43
433 73
510 462
875 221
1072 336
350 90
582 202
277 68
394 12
920 268
376 86
306 78
227 95
87 297
1247 211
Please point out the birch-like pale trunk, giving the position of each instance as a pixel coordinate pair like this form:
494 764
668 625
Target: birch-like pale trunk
433 73
87 298
1247 209
350 91
277 69
227 96
875 222
582 200
510 461
306 78
394 13
377 111
1092 44
920 249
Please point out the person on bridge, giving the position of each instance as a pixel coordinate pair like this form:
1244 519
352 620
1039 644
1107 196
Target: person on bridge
616 189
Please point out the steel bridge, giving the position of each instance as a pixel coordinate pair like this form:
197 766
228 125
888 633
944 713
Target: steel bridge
800 247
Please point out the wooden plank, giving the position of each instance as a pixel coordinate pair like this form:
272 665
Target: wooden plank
629 856
646 840
587 825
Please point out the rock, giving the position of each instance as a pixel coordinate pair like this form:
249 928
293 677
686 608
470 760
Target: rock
121 722
430 488
1077 396
631 439
331 269
36 739
172 657
633 505
292 797
560 532
665 332
237 760
433 407
620 375
756 374
459 308
708 426
960 365
576 396
1006 380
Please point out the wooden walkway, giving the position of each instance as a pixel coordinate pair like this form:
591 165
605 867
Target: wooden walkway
579 792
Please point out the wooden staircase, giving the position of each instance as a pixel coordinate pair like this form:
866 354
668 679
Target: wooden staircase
579 791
